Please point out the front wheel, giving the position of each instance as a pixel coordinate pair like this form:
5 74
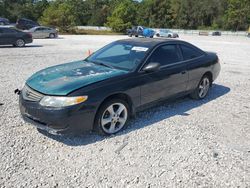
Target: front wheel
112 117
202 89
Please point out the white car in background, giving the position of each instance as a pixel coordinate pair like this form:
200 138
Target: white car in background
166 33
43 32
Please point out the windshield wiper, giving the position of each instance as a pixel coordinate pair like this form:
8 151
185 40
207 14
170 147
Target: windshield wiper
105 65
100 63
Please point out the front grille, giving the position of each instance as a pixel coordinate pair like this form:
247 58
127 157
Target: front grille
31 95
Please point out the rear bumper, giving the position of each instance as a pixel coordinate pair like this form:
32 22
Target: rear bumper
74 119
28 40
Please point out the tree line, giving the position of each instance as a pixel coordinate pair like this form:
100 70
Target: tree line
121 14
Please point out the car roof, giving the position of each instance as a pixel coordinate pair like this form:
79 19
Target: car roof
148 42
4 19
8 26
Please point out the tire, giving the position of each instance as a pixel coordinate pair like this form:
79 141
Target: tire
202 89
136 35
158 35
19 43
52 35
151 36
108 120
169 36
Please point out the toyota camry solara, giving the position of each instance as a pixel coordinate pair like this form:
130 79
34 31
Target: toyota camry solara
103 91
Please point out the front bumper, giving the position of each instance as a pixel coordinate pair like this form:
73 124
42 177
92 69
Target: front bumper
74 119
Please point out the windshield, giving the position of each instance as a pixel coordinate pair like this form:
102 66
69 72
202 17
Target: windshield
119 55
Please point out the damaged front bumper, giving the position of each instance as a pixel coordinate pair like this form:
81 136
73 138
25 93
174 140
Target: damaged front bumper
73 119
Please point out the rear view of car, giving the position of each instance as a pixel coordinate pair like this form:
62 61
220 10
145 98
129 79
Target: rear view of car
25 24
11 36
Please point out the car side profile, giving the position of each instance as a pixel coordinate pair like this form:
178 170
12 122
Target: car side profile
43 32
166 33
103 91
12 36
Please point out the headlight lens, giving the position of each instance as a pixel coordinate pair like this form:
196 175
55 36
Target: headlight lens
51 101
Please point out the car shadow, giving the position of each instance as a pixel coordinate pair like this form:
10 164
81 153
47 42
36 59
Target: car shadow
26 46
162 111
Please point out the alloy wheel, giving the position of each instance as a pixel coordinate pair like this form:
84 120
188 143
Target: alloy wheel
204 87
20 43
114 118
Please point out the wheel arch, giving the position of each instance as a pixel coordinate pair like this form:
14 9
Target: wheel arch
210 76
122 96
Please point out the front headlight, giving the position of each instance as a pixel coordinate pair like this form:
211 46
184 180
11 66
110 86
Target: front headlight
51 101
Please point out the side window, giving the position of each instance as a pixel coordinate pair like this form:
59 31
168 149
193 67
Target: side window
39 29
189 53
166 54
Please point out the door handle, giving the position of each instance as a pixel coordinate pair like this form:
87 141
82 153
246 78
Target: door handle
183 72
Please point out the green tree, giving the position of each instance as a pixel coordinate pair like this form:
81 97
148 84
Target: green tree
237 15
123 16
59 14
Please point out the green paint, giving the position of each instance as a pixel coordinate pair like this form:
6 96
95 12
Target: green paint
65 78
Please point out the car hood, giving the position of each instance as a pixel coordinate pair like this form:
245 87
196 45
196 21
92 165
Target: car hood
65 78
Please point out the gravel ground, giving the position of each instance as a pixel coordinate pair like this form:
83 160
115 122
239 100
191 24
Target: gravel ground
185 143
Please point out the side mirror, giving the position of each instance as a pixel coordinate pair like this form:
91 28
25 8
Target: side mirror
152 67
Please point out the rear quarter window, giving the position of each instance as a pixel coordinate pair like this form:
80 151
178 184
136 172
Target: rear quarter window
189 52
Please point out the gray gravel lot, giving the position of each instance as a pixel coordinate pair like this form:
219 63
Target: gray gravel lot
185 143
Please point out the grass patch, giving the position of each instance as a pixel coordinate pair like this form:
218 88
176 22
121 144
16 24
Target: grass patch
90 32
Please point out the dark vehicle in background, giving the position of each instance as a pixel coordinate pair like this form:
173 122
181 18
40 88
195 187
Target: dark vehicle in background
43 32
26 24
216 33
11 36
4 21
140 31
103 91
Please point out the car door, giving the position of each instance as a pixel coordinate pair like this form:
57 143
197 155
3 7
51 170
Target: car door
36 33
194 59
1 37
43 32
39 33
8 36
46 32
171 79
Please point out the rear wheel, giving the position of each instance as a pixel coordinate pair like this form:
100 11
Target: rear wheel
19 43
112 117
52 35
202 89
